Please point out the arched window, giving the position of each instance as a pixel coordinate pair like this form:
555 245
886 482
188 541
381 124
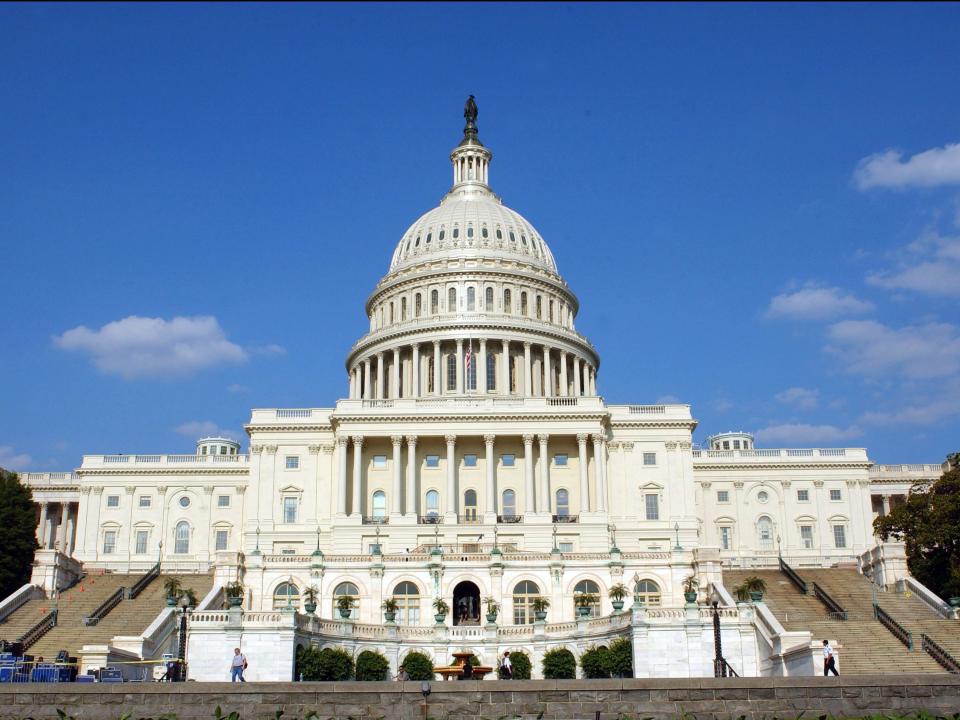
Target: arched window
765 532
507 305
417 243
499 234
452 300
471 299
408 603
588 587
523 304
456 232
539 308
491 371
379 504
523 594
417 304
483 232
391 311
433 503
509 505
563 503
442 233
489 298
551 311
513 238
181 544
347 588
403 309
470 506
429 238
451 372
434 302
648 593
286 594
470 231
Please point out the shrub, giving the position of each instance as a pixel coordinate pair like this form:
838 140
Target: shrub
596 663
329 664
521 665
371 665
620 658
418 666
559 664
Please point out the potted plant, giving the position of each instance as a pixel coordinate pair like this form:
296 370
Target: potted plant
752 588
442 609
617 593
234 593
310 599
493 607
390 608
345 605
191 595
172 586
690 586
584 601
540 605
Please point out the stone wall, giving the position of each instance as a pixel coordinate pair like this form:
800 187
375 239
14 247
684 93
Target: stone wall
565 699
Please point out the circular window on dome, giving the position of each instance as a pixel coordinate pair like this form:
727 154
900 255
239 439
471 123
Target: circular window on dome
184 502
762 496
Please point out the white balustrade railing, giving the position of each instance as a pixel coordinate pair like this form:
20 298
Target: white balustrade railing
858 454
229 460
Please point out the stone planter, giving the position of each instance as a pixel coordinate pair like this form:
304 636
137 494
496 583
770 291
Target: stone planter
491 618
582 611
954 601
440 618
389 615
231 601
345 613
690 597
617 605
756 596
310 607
171 601
540 615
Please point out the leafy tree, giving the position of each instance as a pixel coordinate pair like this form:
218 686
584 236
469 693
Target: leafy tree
928 523
596 663
418 666
620 658
329 664
521 665
372 665
18 523
559 664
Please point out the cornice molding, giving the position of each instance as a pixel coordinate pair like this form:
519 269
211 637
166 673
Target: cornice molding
702 465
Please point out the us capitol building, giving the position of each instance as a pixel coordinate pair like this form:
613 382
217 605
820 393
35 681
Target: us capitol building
472 457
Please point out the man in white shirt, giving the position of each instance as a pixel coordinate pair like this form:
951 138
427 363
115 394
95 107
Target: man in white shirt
829 662
506 667
237 665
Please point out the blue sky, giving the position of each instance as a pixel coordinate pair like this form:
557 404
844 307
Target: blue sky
758 206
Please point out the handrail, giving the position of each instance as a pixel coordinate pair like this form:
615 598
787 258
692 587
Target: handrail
721 668
836 612
140 585
39 630
793 576
105 607
898 630
17 600
946 660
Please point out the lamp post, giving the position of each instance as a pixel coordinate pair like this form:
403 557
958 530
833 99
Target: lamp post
636 590
719 665
676 529
256 550
182 671
318 539
159 552
779 554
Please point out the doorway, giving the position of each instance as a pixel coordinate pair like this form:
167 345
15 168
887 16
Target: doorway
466 604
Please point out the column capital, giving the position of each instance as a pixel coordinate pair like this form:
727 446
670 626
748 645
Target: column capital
528 439
396 440
314 449
379 354
599 439
270 449
670 445
411 439
342 440
451 439
254 449
526 345
326 449
488 439
357 440
436 344
582 438
543 437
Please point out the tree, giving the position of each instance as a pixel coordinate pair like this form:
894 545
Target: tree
928 524
596 663
520 662
559 664
418 666
329 664
372 665
18 527
621 658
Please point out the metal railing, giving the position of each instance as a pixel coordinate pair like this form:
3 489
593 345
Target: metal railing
566 518
105 607
898 630
140 585
946 660
430 520
39 630
834 610
791 574
376 520
506 519
721 668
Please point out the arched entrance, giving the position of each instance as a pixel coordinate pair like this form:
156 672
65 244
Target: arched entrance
466 604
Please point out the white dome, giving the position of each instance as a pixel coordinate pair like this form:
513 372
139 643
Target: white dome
472 222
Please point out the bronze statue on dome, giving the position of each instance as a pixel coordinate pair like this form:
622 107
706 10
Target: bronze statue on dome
470 111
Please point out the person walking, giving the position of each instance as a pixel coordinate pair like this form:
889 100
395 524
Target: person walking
402 675
829 661
237 665
506 667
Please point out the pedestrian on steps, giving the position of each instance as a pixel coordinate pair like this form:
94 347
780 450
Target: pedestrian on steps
829 661
237 665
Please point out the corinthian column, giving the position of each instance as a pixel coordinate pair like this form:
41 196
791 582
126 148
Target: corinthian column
491 479
395 374
380 393
451 504
529 506
576 376
482 368
42 527
547 373
396 504
584 482
504 387
563 373
367 393
355 508
342 441
412 475
600 460
416 370
544 504
527 371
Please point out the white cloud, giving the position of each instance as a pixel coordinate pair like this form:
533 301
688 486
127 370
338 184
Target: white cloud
932 267
667 399
153 347
925 411
869 348
799 397
937 166
11 460
802 434
816 303
197 429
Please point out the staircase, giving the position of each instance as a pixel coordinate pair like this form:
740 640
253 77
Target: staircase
130 617
868 647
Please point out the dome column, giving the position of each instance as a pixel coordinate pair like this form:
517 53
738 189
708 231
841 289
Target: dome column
527 372
482 368
380 375
451 504
437 369
547 373
563 373
504 388
576 376
600 460
491 513
395 500
395 375
416 370
584 481
529 506
460 382
367 390
593 381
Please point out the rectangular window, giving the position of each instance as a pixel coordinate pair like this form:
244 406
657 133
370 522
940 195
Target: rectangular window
649 458
141 547
379 462
652 502
726 444
221 541
289 509
725 537
223 501
736 444
839 536
469 460
836 495
803 496
806 535
293 462
109 542
113 501
566 547
433 461
508 460
560 460
723 496
145 501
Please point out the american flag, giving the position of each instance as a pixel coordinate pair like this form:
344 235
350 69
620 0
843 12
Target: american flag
469 356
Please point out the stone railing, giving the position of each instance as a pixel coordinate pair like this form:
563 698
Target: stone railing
18 599
49 479
782 454
450 554
926 596
104 461
489 403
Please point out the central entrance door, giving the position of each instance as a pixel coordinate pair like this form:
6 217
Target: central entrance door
466 604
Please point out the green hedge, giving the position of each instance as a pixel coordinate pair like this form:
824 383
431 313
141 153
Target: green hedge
329 664
559 664
595 663
418 666
522 667
621 658
371 665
